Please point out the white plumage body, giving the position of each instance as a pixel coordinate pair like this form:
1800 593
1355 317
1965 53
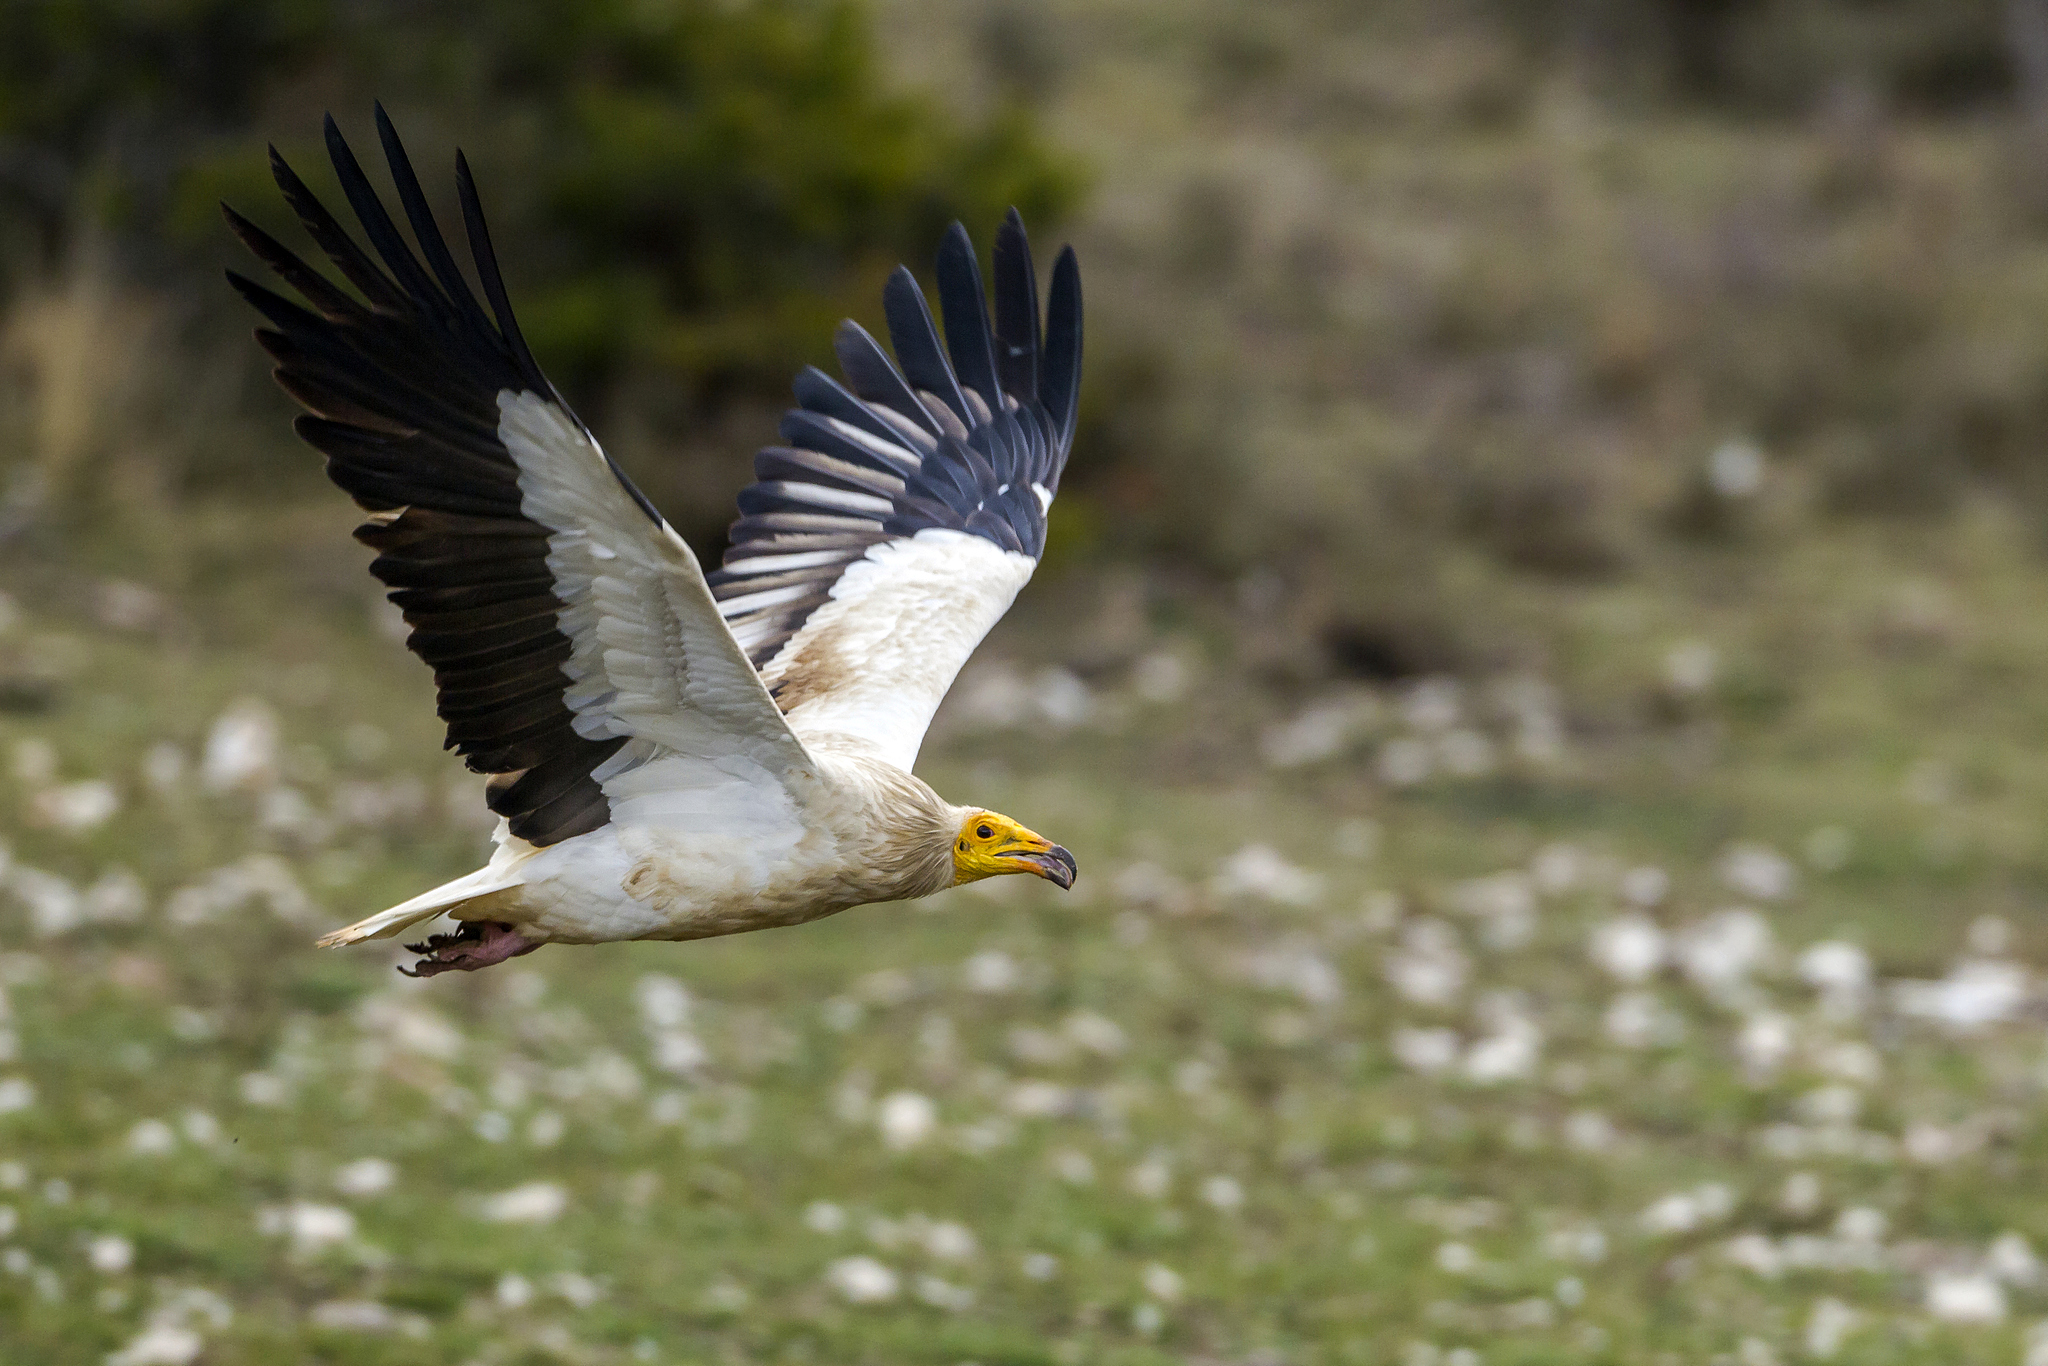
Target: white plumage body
784 857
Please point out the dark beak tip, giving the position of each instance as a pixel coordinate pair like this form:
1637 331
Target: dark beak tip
1066 866
1054 864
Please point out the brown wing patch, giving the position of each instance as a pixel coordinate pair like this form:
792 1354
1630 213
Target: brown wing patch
818 669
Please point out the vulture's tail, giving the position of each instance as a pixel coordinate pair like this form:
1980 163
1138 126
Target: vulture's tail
482 883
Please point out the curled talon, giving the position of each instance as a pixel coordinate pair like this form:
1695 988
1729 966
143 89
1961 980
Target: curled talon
476 944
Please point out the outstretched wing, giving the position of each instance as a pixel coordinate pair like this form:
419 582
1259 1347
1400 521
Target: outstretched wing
907 507
579 655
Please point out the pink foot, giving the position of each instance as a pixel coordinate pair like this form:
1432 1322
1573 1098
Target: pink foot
477 944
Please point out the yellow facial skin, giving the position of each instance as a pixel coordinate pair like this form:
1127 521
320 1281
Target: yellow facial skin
990 845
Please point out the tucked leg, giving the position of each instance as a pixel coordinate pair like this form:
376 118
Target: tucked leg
476 944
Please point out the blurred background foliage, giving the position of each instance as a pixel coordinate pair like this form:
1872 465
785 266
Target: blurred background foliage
689 195
1390 301
1778 56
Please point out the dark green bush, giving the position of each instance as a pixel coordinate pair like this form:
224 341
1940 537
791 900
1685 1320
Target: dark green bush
694 189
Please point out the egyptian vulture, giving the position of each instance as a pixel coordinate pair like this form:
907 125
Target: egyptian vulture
675 755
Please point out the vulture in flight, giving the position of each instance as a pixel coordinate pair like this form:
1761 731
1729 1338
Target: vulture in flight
675 755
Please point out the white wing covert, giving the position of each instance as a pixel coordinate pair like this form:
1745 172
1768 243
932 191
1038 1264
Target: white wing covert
576 648
907 507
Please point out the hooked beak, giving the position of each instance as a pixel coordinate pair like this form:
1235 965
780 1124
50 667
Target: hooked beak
1053 863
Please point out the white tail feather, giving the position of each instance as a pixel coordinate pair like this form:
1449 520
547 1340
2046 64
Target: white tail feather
425 906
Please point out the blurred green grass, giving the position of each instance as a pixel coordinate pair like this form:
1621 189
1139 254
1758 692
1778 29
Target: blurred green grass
1181 1067
1412 593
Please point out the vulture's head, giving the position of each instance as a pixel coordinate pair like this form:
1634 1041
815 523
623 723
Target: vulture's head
990 845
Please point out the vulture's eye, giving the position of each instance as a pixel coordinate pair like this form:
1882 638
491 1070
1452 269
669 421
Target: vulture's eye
983 832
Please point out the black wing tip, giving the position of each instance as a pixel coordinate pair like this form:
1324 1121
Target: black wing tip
260 243
346 166
1060 381
281 170
1011 239
472 211
963 301
485 258
1018 327
956 259
1063 300
253 294
387 136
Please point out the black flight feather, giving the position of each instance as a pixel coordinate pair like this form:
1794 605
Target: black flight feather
1059 386
965 310
917 343
1016 331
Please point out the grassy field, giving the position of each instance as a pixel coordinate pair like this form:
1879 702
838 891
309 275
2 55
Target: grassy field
1679 1008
